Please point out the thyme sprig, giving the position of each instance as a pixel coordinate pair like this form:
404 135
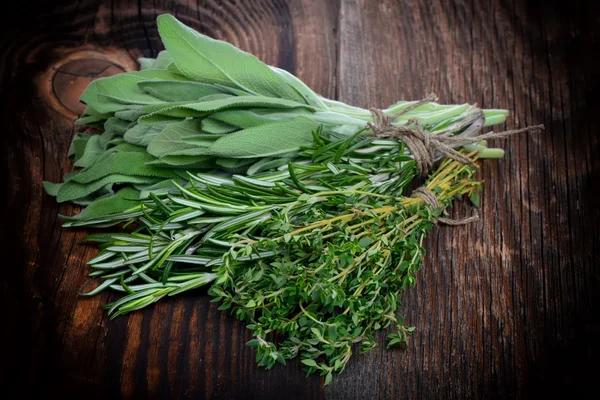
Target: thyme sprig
316 253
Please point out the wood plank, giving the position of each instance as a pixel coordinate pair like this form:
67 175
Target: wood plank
503 308
183 347
492 299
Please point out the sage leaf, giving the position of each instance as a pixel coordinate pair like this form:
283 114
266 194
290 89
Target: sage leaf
185 161
266 140
97 149
162 60
91 119
155 108
202 138
123 163
91 116
155 188
268 163
233 91
142 134
116 125
146 63
212 61
102 193
110 94
241 118
124 199
78 144
172 68
178 90
207 107
234 163
215 126
301 88
52 188
130 115
71 190
94 148
169 140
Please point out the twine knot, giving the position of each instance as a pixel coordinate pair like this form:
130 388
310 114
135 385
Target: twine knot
423 145
430 198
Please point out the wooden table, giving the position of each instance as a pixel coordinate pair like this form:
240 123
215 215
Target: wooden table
507 307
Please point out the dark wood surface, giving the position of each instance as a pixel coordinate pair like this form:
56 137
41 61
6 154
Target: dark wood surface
508 307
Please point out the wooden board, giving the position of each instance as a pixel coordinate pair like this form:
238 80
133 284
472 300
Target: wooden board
507 307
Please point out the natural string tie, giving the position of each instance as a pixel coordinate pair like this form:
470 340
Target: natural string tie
424 145
429 198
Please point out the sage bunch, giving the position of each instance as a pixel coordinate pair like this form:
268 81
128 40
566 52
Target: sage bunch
202 105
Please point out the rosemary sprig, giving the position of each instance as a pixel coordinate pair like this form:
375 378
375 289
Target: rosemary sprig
316 252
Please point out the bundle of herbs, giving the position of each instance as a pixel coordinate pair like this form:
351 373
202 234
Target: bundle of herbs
203 104
291 207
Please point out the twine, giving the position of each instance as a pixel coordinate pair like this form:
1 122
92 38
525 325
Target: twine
430 198
423 145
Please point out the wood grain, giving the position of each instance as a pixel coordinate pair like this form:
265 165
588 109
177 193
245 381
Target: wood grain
504 308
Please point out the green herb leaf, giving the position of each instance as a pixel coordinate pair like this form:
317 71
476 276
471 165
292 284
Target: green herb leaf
211 61
123 163
169 140
328 378
178 90
124 199
266 140
110 94
162 60
241 118
185 161
71 191
215 126
95 147
142 134
474 197
234 163
146 63
300 87
209 106
309 362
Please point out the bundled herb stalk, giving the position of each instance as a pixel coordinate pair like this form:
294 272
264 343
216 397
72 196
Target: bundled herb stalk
292 208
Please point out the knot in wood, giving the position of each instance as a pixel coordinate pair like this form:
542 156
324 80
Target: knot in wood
72 71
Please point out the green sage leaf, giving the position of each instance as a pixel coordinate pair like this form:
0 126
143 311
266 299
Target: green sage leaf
71 190
169 140
124 199
110 94
266 140
178 90
123 163
207 106
212 61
